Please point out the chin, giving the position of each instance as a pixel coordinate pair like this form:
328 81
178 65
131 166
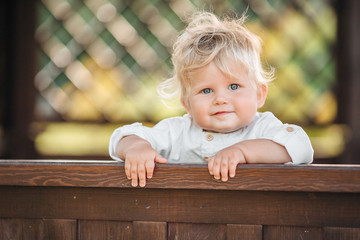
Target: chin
224 129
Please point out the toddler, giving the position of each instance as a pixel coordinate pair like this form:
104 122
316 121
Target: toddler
222 84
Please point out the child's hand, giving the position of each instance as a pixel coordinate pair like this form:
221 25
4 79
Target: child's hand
139 159
140 163
224 163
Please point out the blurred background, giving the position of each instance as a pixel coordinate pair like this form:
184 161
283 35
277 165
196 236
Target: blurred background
72 71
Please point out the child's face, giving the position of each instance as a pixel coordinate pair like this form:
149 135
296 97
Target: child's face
220 103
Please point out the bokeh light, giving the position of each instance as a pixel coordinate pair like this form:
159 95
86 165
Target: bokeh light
101 60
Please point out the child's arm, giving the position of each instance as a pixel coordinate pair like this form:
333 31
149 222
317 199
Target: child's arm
139 159
225 162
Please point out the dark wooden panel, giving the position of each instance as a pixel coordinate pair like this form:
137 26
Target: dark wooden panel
104 230
10 229
32 229
331 233
348 75
245 232
59 229
193 206
20 68
270 177
150 230
196 231
293 233
35 229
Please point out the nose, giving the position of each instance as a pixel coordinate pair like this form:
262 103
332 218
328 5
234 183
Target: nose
220 98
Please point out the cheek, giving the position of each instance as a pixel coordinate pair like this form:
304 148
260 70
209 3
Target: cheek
198 107
246 104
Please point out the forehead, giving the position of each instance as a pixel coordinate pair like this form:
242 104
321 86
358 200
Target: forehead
226 71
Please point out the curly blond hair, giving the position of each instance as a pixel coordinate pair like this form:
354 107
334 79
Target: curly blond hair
206 39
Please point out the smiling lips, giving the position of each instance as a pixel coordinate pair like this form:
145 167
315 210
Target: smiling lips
221 113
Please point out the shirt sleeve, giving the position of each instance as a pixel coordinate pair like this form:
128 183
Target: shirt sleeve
161 136
119 133
292 137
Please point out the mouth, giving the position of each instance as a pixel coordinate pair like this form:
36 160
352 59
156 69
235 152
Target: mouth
221 113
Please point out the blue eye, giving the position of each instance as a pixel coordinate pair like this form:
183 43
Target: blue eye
234 86
206 91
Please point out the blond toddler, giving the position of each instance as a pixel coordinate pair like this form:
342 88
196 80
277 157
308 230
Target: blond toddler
222 85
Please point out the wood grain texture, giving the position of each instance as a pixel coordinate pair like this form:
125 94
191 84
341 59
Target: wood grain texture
187 206
34 229
104 230
259 177
334 233
196 231
150 230
242 231
93 200
293 233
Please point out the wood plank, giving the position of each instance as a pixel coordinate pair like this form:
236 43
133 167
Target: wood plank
259 177
246 232
335 233
34 229
196 231
10 229
175 205
293 233
348 75
105 230
59 229
150 230
19 59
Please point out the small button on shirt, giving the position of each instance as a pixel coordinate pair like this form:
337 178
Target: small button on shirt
290 129
181 140
209 137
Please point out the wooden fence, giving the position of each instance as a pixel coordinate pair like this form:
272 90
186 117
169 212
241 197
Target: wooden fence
57 199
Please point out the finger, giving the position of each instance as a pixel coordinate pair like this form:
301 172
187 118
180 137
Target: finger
224 170
142 175
128 169
149 165
160 159
232 169
216 168
134 175
210 161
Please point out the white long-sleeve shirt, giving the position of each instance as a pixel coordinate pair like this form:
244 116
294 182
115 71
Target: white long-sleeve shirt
181 140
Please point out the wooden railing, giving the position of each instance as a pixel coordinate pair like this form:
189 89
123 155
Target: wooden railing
56 199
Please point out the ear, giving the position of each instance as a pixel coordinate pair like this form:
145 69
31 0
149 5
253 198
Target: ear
185 105
262 94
